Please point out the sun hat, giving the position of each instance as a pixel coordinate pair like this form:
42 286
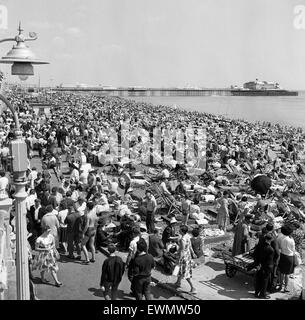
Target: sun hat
173 220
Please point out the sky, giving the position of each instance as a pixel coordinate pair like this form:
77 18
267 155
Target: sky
161 43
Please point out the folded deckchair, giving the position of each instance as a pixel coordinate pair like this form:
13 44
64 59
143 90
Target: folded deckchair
170 203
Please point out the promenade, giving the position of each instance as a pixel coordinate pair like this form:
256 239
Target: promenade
81 282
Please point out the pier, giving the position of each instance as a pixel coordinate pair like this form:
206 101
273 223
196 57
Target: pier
149 92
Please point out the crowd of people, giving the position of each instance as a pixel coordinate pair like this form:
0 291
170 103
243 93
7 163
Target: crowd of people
97 203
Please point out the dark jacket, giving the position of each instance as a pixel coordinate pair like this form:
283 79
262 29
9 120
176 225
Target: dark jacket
112 270
197 246
142 265
45 199
264 256
70 221
274 244
155 246
167 233
102 239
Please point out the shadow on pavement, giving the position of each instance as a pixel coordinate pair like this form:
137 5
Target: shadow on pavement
217 266
65 259
37 280
157 292
99 293
235 288
96 292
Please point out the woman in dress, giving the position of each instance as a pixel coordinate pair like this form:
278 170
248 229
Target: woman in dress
46 259
298 236
50 220
287 249
223 217
197 243
185 258
241 243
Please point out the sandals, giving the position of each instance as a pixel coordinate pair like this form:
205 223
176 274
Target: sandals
58 284
86 262
92 260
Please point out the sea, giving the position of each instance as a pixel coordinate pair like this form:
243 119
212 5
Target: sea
285 110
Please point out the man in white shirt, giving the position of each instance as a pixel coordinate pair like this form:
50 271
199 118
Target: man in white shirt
65 185
32 177
133 246
131 254
30 200
83 178
81 206
75 174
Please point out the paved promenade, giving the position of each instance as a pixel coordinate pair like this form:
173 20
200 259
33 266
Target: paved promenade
81 282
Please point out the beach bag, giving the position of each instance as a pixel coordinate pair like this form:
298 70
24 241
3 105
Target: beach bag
176 271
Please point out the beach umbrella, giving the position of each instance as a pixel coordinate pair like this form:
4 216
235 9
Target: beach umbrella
261 184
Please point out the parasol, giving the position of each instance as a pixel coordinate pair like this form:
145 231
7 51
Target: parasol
261 184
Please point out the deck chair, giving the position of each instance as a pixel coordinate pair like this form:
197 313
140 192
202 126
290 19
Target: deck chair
173 206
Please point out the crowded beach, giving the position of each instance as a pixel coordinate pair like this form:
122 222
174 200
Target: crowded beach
249 196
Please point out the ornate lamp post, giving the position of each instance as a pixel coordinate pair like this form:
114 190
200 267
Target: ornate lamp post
22 60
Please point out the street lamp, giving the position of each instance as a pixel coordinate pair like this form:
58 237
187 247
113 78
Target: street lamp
22 60
20 56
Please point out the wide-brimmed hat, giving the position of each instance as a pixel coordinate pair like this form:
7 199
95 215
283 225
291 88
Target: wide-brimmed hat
173 220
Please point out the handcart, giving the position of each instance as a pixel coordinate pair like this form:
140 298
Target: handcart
242 263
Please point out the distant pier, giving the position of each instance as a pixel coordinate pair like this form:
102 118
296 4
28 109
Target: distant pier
175 92
148 92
